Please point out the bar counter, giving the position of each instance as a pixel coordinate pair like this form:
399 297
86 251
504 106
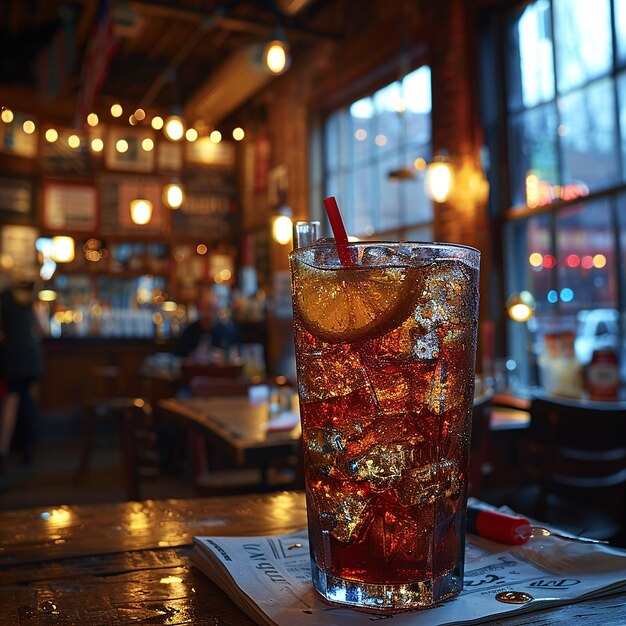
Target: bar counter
71 360
130 563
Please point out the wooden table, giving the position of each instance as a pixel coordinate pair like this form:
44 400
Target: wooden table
130 563
239 426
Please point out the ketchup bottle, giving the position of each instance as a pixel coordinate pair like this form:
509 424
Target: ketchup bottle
603 375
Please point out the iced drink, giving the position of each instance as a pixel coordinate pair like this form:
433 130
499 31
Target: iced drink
385 352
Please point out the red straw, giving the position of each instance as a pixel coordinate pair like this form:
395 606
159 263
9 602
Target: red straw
339 230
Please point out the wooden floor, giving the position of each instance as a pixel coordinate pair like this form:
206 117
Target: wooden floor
48 477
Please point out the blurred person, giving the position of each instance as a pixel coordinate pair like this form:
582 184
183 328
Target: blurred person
212 335
22 366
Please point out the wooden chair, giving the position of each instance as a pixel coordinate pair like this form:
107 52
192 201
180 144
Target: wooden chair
575 451
479 446
141 455
103 400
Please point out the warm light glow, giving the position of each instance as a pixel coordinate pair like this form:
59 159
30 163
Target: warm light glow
121 145
201 249
169 306
132 120
174 129
380 140
420 164
140 115
73 141
173 195
521 306
141 211
92 119
28 127
191 134
215 136
360 134
276 56
116 110
62 249
157 122
238 134
51 135
282 229
536 259
47 295
225 275
6 115
438 181
147 144
599 261
97 145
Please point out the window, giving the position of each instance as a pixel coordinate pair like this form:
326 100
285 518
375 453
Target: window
566 131
375 152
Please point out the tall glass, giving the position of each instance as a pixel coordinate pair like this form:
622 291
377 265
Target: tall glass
385 353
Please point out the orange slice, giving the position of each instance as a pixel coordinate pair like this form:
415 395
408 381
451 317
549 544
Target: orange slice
353 304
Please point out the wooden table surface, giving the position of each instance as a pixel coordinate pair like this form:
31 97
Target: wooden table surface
241 425
129 563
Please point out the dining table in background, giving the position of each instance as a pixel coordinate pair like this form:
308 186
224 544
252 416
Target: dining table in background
130 563
242 429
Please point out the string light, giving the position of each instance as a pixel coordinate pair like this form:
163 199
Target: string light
92 119
215 136
173 195
238 134
97 145
157 122
116 110
121 145
28 127
141 211
147 144
174 129
73 141
191 134
51 135
7 115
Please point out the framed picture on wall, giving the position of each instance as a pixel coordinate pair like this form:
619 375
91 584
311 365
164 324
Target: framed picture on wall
127 149
17 197
70 206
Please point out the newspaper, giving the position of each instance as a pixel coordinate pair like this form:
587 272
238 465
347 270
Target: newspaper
269 578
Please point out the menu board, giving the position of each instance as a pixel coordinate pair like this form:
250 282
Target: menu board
70 206
17 196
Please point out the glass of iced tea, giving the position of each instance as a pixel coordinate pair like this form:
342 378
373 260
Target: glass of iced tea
385 353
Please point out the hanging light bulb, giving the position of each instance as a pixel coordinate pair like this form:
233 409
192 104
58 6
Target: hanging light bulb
62 249
276 59
439 179
282 226
6 115
173 195
141 211
174 129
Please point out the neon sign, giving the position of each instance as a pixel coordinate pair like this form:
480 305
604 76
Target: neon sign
542 193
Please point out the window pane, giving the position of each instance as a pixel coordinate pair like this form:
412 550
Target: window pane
331 144
539 263
529 54
388 103
620 29
362 128
586 257
589 136
366 201
583 41
532 147
621 97
417 101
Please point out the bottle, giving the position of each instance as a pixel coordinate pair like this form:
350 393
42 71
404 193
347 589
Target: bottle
603 375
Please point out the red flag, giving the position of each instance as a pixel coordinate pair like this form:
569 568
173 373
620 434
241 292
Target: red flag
100 50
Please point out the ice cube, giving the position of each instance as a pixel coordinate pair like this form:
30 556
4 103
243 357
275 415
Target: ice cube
385 256
385 451
321 447
425 484
335 371
404 534
427 347
342 507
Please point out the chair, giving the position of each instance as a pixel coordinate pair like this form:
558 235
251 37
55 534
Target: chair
479 446
103 399
141 455
575 451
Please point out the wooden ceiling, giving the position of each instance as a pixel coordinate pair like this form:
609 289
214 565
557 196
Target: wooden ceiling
166 50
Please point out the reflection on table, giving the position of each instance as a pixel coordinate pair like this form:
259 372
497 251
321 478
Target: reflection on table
130 563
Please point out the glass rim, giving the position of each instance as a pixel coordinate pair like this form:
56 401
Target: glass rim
467 252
